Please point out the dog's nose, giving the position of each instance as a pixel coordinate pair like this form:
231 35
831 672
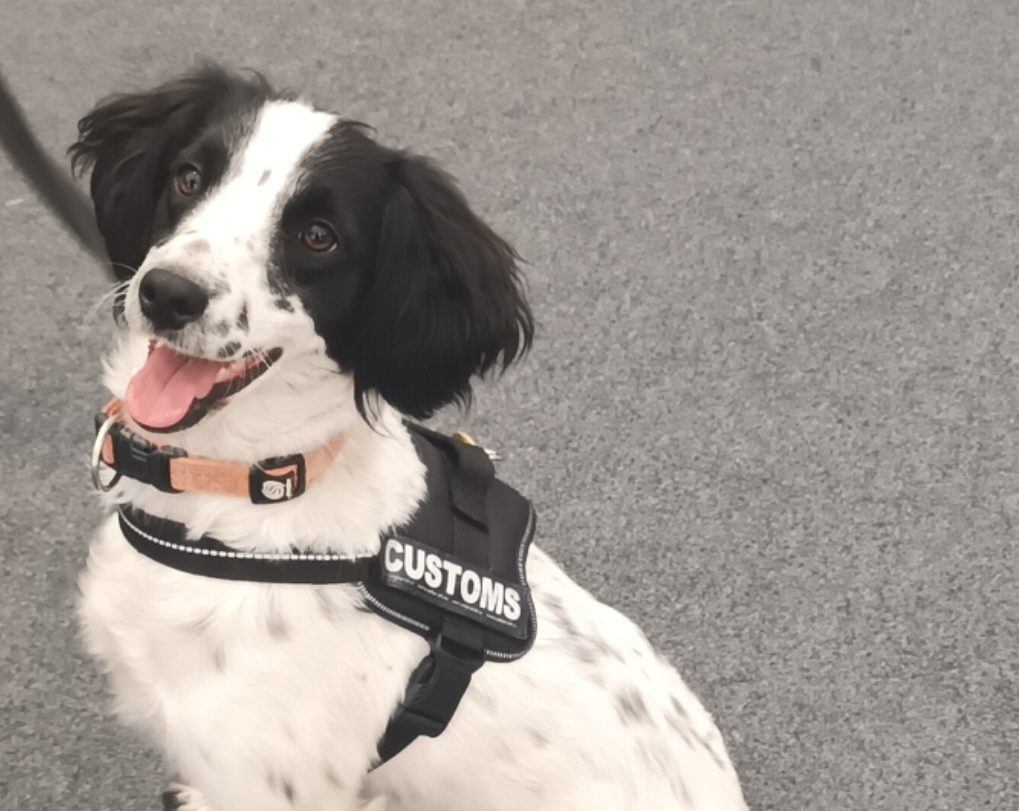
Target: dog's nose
169 300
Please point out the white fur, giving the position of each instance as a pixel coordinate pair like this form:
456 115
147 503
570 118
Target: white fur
273 697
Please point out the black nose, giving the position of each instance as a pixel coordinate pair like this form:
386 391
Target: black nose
170 301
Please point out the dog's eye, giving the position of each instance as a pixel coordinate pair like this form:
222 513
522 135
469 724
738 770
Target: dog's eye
189 180
318 237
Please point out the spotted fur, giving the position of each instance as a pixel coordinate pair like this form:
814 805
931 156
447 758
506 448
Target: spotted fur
273 698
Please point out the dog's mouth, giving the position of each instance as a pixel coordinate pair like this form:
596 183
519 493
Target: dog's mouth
174 391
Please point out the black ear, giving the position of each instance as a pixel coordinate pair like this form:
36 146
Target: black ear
128 140
446 301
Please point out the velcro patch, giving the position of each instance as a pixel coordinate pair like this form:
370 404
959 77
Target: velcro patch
451 585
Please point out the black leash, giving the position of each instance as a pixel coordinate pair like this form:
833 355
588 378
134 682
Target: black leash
53 184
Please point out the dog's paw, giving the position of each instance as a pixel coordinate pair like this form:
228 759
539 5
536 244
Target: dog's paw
183 798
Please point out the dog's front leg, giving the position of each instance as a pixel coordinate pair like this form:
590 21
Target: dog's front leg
179 797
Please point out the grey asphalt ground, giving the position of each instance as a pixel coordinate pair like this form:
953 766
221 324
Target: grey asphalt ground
771 413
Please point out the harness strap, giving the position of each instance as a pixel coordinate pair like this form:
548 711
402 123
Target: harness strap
457 648
435 689
166 542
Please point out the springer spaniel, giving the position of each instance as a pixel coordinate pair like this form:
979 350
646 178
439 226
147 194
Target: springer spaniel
287 280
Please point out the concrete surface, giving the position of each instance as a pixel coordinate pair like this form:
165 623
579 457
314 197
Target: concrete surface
772 409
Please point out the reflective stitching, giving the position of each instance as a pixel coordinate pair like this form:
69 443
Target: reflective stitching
196 550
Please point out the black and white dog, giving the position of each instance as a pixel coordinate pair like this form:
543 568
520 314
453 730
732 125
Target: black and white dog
287 281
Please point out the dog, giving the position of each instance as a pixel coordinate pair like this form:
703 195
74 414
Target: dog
287 280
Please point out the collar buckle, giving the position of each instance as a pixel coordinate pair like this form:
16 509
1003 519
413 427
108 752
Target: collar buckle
133 456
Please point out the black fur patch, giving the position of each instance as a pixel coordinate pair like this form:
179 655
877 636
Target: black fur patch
228 350
133 142
631 707
419 295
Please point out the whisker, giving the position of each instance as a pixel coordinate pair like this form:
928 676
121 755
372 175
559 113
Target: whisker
132 270
107 298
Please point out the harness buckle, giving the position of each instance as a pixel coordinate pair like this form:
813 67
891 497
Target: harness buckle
276 480
436 687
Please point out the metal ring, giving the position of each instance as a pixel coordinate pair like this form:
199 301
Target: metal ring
97 458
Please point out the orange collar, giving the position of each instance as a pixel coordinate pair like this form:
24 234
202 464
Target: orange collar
171 470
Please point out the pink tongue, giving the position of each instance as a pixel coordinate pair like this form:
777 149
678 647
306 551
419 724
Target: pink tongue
160 395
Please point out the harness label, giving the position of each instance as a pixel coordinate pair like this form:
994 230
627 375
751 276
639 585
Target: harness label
451 585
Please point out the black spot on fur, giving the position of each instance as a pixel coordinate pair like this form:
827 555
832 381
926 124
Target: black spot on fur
538 738
276 624
332 778
484 698
631 707
679 787
221 328
281 303
219 659
242 318
172 800
229 349
605 649
288 790
582 650
560 617
265 176
681 728
325 605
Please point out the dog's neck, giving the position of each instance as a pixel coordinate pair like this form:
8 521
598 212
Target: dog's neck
376 481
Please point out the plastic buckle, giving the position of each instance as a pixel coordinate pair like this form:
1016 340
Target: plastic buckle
442 679
137 458
273 481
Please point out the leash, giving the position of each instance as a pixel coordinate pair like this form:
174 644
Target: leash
50 181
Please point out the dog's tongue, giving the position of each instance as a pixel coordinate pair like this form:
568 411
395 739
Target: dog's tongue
160 395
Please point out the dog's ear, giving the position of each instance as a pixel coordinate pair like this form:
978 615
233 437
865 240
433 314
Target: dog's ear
128 140
446 301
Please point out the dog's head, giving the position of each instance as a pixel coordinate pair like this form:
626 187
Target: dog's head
253 231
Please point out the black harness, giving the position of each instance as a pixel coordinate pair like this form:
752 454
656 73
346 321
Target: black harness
455 574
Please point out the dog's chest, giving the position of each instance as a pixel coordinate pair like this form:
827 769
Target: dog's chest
197 659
